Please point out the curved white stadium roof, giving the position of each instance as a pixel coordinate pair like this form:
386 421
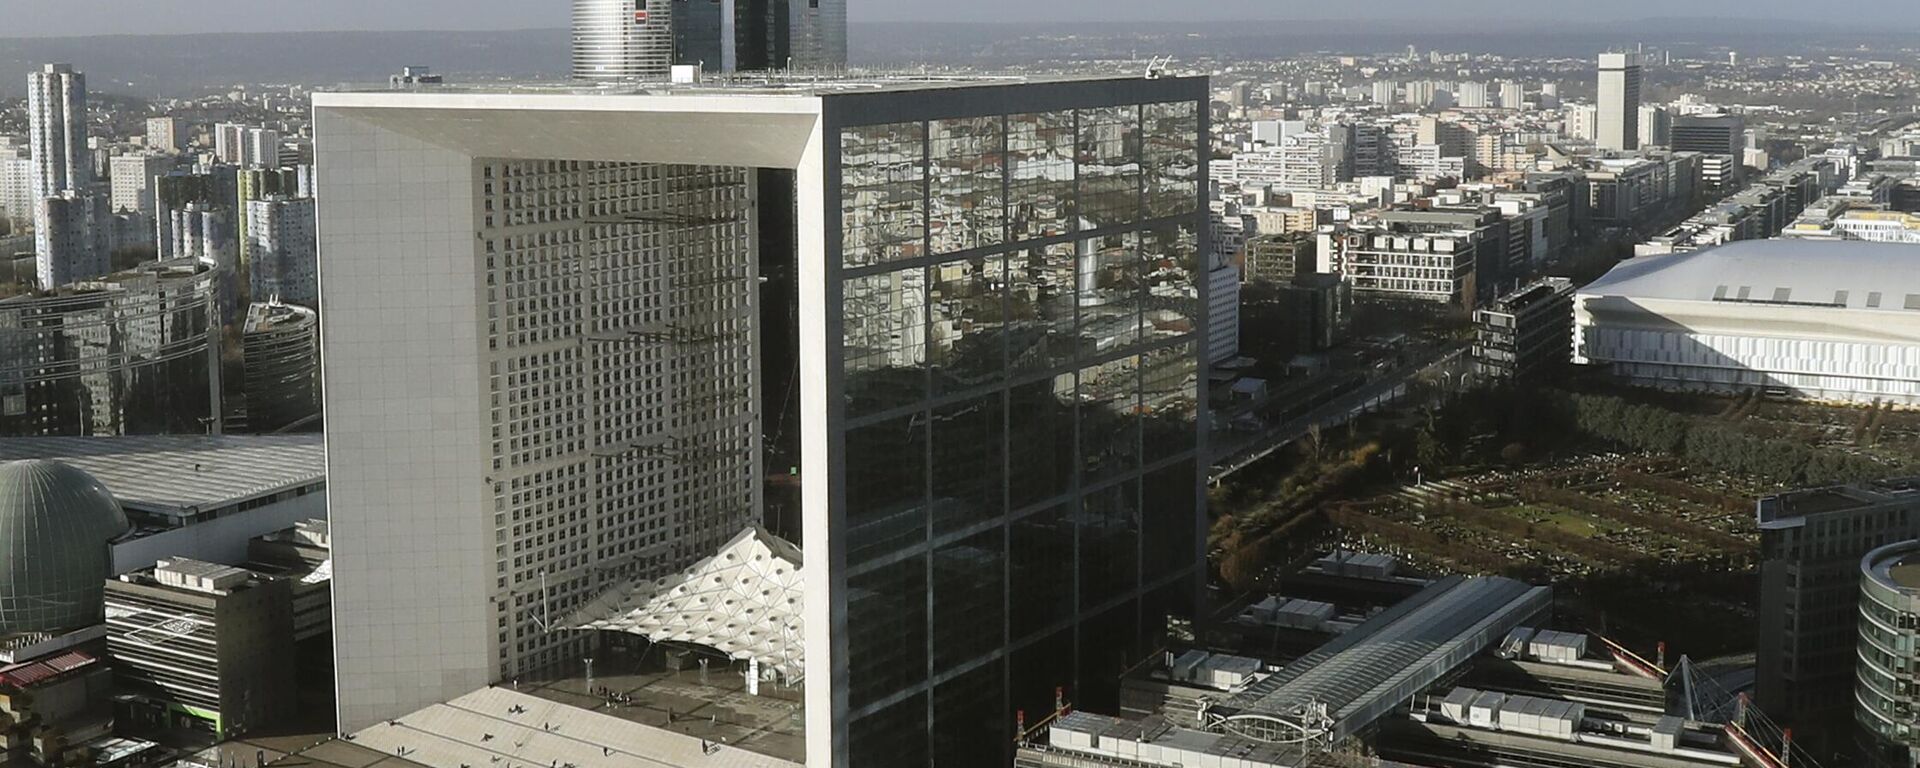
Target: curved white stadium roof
1805 272
744 601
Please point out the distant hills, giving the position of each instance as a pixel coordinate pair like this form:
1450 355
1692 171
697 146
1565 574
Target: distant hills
149 66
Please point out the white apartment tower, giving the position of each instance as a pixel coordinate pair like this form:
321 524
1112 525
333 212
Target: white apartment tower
164 133
133 179
280 250
1619 102
57 112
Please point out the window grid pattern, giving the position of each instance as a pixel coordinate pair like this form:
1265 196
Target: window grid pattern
1001 391
624 429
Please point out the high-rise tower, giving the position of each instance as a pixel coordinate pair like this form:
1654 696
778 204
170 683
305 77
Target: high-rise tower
1619 102
993 321
642 39
622 39
69 241
57 112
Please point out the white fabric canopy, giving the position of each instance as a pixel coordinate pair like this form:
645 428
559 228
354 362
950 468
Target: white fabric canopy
744 601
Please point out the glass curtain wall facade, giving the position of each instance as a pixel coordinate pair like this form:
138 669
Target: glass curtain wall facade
1019 387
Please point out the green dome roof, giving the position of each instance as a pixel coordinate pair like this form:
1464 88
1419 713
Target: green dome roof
55 522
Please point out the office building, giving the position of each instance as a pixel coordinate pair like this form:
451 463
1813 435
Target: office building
1811 544
280 250
1720 137
166 134
754 35
55 522
193 495
1618 118
1752 315
280 352
622 39
204 640
1656 126
1525 333
999 337
135 353
1885 655
1581 122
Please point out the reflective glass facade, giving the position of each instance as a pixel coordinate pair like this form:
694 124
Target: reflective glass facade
1017 399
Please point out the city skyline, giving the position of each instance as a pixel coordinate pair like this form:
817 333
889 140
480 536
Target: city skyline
105 17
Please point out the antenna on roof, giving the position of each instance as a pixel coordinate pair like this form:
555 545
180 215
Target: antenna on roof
1157 67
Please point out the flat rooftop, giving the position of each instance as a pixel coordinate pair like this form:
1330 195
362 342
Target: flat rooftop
181 475
534 727
772 83
1895 565
1791 509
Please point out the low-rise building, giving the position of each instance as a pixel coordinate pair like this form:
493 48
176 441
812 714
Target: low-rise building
203 642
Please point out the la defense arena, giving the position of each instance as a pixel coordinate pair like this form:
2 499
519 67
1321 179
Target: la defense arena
569 332
1833 321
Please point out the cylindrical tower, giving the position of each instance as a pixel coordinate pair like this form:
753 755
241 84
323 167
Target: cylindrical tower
622 39
1886 653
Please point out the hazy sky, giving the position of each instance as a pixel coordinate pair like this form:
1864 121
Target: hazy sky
84 17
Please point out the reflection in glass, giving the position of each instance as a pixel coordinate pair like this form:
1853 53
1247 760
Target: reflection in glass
968 175
1169 261
886 630
1041 463
1109 165
968 600
1169 400
969 322
884 340
1041 308
886 487
970 712
1041 175
969 450
1168 520
1109 543
1173 168
1111 292
883 193
892 737
1040 557
1109 418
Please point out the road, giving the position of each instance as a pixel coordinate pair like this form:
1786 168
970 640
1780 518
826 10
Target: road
1375 395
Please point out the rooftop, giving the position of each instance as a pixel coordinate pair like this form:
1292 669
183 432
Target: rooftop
1376 666
1791 509
180 475
1881 277
1896 566
797 83
496 724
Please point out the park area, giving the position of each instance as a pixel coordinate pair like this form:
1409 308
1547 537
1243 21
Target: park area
1638 507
